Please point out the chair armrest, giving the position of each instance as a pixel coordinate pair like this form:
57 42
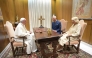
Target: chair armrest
73 37
23 37
12 39
63 31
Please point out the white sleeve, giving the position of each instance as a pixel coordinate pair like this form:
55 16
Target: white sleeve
19 32
77 31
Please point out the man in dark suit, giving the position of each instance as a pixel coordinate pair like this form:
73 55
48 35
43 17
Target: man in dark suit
56 25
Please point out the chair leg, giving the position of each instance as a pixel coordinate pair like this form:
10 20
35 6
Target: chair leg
22 51
66 47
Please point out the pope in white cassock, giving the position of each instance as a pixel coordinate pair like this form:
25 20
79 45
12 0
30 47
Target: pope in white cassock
21 30
74 30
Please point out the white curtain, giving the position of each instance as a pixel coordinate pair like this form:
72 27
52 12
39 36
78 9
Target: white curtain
39 8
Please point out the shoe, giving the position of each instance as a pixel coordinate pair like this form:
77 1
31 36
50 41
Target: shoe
28 54
60 50
37 51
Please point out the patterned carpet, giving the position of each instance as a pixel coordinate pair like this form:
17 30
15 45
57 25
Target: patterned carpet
81 54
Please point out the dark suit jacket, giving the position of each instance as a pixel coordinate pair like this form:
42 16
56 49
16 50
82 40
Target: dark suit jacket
56 26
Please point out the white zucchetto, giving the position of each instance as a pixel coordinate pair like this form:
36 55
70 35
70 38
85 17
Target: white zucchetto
22 19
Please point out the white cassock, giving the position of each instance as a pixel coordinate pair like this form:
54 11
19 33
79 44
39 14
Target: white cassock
74 31
30 41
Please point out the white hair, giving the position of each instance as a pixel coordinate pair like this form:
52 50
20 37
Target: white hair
54 16
76 19
22 19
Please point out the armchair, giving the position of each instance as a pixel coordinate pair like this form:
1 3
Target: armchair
18 48
73 47
64 25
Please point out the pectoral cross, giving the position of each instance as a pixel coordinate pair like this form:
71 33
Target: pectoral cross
41 21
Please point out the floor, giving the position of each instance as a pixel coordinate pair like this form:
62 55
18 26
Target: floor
3 42
86 47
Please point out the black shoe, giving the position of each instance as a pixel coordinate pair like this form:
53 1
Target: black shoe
60 50
28 54
37 51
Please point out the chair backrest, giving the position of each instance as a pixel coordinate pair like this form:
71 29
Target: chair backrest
10 30
63 24
83 26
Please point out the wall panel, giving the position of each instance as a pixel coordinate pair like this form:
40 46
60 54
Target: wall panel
26 13
53 3
21 10
86 35
90 41
58 9
7 8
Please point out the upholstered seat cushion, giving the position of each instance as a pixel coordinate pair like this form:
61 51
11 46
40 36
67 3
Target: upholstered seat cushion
18 43
11 34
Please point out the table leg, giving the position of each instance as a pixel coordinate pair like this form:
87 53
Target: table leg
54 44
